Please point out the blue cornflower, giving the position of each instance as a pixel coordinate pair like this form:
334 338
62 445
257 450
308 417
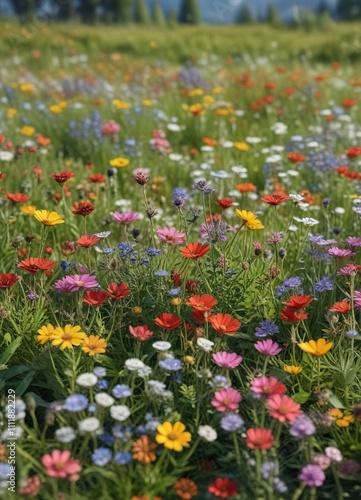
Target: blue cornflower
118 432
170 364
173 292
153 252
99 371
76 402
144 262
292 282
125 249
161 273
324 284
123 458
140 429
267 468
266 327
101 456
107 438
178 202
4 470
180 193
67 265
152 425
102 385
231 422
219 382
280 290
108 250
121 391
93 408
352 333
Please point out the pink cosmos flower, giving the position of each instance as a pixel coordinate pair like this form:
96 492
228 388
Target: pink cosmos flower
283 408
141 333
227 360
349 270
268 347
266 387
171 235
339 253
357 300
75 283
126 217
60 464
226 400
110 128
354 241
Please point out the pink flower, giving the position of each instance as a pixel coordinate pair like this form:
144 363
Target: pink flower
357 300
126 217
60 464
283 408
226 400
339 253
354 241
141 333
268 347
75 283
266 387
171 235
110 128
349 270
227 360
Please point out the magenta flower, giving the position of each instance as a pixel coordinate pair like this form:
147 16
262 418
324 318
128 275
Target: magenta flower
75 283
312 475
171 235
226 400
354 241
339 253
227 360
110 128
60 464
357 300
268 347
266 387
126 217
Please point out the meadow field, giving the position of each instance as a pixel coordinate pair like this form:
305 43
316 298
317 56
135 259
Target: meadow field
180 296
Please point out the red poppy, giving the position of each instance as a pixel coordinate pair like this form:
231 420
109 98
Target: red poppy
259 439
118 292
340 307
82 208
289 91
199 316
353 152
168 321
8 280
195 250
274 199
270 85
17 197
87 240
224 323
223 488
298 302
348 103
2 175
33 265
62 177
225 203
202 302
295 157
94 298
292 316
97 178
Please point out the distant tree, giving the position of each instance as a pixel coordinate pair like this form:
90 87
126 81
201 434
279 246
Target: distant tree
273 17
120 11
141 13
65 10
349 9
245 15
309 20
88 11
158 15
189 12
322 7
325 20
24 8
172 17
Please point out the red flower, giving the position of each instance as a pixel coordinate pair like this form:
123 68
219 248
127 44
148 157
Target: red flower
298 302
94 298
199 316
195 250
87 240
192 286
82 208
259 439
223 488
295 157
176 277
224 323
168 321
348 103
2 175
33 265
292 316
17 197
202 302
118 292
353 152
274 199
340 307
97 178
225 203
8 280
62 177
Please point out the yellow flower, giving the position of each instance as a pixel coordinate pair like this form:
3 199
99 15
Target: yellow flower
341 419
68 336
119 162
55 109
188 360
218 90
10 112
316 348
147 103
250 219
94 345
221 111
292 369
27 88
173 436
196 109
28 209
121 104
137 310
63 104
28 130
48 218
45 333
242 146
208 99
153 44
195 92
176 301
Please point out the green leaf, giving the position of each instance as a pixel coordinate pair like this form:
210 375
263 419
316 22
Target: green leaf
335 402
9 351
24 384
301 397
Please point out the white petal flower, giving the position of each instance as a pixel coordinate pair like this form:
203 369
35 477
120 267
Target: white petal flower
87 380
207 433
103 399
120 412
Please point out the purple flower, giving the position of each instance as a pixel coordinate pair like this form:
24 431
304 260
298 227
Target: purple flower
268 347
121 391
354 241
170 364
101 456
266 327
76 402
320 240
302 427
349 467
275 238
339 253
123 458
323 284
357 299
75 283
349 270
231 422
312 475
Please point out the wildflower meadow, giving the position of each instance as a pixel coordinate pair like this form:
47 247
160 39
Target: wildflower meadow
180 267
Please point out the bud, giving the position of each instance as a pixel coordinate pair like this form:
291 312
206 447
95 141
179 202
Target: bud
141 176
257 245
245 265
282 253
357 411
136 234
137 310
151 212
30 403
49 418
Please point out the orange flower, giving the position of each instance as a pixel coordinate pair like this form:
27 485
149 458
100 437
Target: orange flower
225 203
209 141
195 250
246 187
33 265
185 488
62 177
298 302
340 307
224 323
97 178
295 157
168 321
274 199
292 316
82 208
143 450
94 297
17 197
202 302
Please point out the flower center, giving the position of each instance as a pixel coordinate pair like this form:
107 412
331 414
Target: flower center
67 336
79 283
172 436
59 466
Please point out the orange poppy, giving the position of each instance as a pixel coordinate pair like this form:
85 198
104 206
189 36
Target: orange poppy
62 177
97 178
224 323
292 316
225 203
195 250
87 240
118 292
340 307
202 302
143 450
295 157
94 298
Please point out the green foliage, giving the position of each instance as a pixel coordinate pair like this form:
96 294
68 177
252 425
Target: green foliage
189 12
141 13
158 15
349 9
245 15
272 16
